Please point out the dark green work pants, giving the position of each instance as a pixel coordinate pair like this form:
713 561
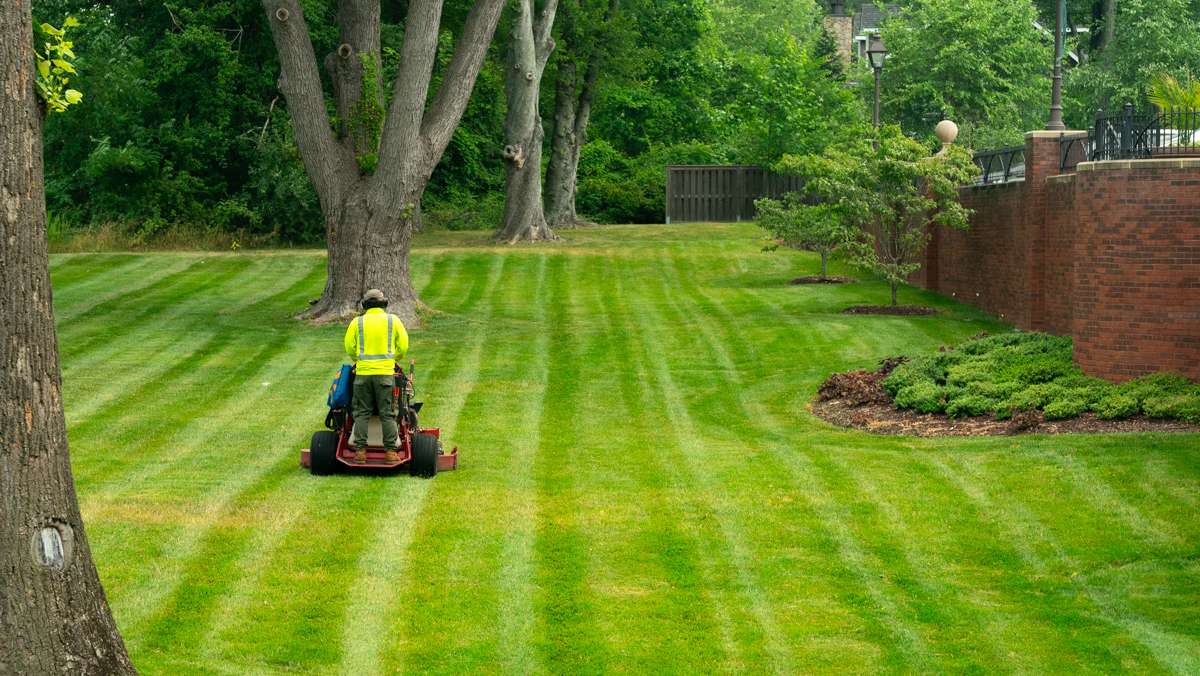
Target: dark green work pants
374 395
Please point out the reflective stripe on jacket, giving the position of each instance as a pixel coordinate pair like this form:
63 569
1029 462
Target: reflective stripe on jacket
374 341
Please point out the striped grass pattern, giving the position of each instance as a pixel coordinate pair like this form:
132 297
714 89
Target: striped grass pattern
642 488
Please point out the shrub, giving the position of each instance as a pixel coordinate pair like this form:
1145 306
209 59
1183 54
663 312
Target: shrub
1116 406
1034 397
1017 372
1037 368
996 391
1067 407
923 397
1155 386
969 405
912 372
1184 407
974 371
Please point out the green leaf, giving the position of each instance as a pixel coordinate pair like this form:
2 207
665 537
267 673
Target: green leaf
70 22
67 67
50 30
43 67
73 96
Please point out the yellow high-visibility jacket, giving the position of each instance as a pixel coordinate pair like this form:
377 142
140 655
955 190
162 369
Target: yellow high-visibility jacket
374 341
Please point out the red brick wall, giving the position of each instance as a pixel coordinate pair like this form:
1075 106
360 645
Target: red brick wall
1059 236
987 265
1109 255
1137 270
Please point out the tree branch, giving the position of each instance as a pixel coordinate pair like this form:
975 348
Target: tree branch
542 32
401 131
451 100
300 83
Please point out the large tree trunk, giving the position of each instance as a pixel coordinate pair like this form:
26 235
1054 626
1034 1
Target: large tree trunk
562 171
371 172
1110 24
572 112
54 617
369 238
529 49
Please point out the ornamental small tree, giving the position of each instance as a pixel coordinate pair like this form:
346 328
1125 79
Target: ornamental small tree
889 192
802 223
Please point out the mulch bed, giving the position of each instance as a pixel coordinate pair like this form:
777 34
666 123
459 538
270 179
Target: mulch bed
857 400
817 279
902 310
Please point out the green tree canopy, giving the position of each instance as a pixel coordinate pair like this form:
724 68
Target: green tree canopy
982 63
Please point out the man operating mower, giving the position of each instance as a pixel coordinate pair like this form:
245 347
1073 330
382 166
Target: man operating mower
374 341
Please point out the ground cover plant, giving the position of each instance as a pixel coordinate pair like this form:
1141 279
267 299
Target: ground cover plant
642 489
1005 374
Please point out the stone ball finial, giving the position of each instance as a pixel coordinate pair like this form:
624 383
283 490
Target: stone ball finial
946 132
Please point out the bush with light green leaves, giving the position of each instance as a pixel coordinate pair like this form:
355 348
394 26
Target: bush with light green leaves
52 50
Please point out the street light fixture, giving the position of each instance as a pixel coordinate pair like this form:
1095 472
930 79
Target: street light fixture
876 54
1056 110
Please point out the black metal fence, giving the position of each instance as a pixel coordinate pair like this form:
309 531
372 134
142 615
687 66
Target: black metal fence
1000 166
722 193
1130 135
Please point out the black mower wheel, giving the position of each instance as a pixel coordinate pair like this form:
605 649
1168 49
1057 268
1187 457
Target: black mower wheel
322 453
424 461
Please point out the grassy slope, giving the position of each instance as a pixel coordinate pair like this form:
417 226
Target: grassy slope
642 489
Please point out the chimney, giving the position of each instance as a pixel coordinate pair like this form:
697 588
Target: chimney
837 8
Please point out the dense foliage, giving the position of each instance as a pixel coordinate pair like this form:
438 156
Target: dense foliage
981 63
883 193
1004 374
183 122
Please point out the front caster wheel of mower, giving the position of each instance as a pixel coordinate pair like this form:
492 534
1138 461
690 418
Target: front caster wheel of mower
322 453
424 461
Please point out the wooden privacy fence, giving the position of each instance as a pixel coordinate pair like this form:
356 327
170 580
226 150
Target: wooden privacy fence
722 192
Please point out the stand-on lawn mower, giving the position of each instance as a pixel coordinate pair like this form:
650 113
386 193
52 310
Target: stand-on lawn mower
420 450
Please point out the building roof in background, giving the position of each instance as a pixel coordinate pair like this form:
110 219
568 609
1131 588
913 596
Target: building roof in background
869 17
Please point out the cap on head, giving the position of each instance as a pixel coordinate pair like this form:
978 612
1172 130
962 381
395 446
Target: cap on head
374 298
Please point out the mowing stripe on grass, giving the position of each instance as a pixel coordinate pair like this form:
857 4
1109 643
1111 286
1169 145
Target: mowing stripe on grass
244 468
456 541
133 307
166 401
689 444
805 474
67 272
219 643
73 315
93 280
701 607
1021 529
565 635
1106 500
383 566
129 325
514 581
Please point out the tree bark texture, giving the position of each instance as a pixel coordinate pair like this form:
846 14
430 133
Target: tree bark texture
528 51
370 173
54 617
1110 24
572 112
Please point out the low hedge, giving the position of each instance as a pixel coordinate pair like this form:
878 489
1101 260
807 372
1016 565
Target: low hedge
1004 374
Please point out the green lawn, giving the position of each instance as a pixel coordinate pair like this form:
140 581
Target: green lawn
642 488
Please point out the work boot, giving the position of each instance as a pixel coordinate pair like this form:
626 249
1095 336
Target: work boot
393 456
360 455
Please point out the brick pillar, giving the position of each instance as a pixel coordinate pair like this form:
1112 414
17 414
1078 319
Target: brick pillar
1042 160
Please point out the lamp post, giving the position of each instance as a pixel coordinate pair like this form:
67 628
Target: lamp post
1056 112
877 54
